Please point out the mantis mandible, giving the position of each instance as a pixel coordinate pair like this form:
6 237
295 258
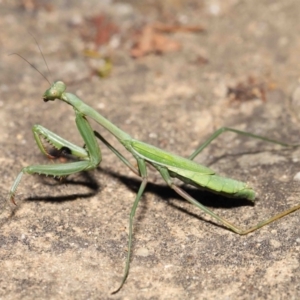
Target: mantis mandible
167 164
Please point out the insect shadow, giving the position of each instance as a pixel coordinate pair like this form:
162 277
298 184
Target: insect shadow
87 180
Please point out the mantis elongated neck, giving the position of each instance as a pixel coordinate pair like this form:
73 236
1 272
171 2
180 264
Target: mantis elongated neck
86 110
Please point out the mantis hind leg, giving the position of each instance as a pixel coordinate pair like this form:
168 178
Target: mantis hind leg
259 137
166 176
91 155
239 132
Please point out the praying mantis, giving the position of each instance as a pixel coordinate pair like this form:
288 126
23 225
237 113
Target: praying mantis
169 165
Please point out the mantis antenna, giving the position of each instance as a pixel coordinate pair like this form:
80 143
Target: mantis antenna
32 64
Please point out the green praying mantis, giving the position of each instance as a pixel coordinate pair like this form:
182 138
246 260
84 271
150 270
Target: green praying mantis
169 165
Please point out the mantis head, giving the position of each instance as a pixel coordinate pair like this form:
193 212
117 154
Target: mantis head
55 91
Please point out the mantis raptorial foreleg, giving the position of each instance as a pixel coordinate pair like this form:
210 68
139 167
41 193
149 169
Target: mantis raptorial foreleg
91 155
42 135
